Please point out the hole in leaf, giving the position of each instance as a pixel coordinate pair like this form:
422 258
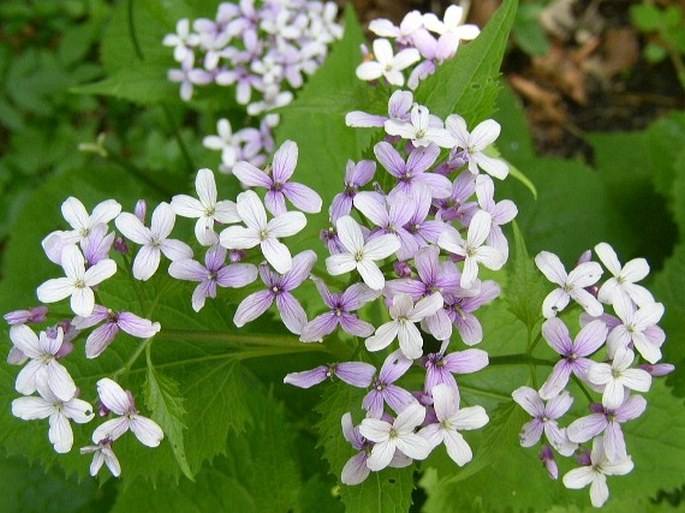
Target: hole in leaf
392 480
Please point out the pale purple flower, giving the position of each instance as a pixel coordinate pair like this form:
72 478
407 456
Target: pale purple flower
387 64
383 390
273 98
608 422
361 255
154 240
81 222
215 273
188 76
35 314
399 105
422 129
78 282
357 374
102 454
276 181
461 305
474 143
435 51
398 436
549 461
544 419
390 215
262 233
501 212
453 23
355 470
573 353
414 170
405 315
571 285
341 307
58 411
623 277
97 244
595 473
356 176
104 335
121 402
440 367
182 41
412 22
473 248
279 287
425 231
225 141
637 326
457 206
658 370
618 376
450 420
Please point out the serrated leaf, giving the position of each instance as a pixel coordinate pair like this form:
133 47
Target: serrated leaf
468 84
388 491
163 399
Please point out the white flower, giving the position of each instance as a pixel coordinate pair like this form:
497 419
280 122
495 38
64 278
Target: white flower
618 376
595 473
102 453
81 222
58 411
396 436
453 23
411 23
207 209
78 282
637 326
226 142
474 143
451 420
43 367
472 249
154 240
386 64
263 233
405 314
422 130
624 278
361 255
121 402
571 285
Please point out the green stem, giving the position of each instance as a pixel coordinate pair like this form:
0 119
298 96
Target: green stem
582 388
129 363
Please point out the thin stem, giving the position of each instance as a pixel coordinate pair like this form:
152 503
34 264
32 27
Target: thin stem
582 388
129 363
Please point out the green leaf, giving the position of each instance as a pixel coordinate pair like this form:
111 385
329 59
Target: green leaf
527 31
654 52
388 491
163 399
646 17
525 288
468 84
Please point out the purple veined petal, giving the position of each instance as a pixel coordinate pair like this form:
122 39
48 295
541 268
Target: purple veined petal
239 237
205 186
635 270
26 340
146 262
631 409
236 275
275 202
350 234
445 401
469 273
187 206
613 394
427 306
359 119
354 326
251 210
175 249
329 299
357 374
250 176
529 400
113 397
303 197
585 274
146 430
493 166
457 448
414 288
531 433
73 262
132 228
648 315
374 403
351 433
99 272
32 408
390 159
438 325
559 405
398 398
319 327
614 443
414 446
373 206
422 158
381 247
162 221
292 313
586 428
479 228
555 302
649 351
466 362
252 307
137 326
394 367
226 212
285 161
341 206
370 273
439 186
381 455
557 380
82 301
287 224
75 213
383 337
187 269
277 254
557 336
307 379
100 339
356 296
550 265
558 439
203 290
469 328
25 382
636 379
340 264
451 241
302 265
411 342
590 338
355 470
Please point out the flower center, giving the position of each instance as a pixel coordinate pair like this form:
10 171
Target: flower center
263 235
359 256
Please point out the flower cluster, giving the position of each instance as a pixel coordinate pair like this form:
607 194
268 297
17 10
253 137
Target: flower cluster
264 49
414 240
602 358
420 38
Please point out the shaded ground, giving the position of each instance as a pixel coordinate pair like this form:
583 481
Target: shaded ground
593 77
